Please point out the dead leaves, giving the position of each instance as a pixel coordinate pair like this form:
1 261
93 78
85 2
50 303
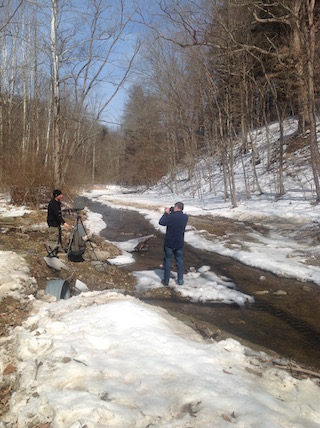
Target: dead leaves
255 372
229 418
11 368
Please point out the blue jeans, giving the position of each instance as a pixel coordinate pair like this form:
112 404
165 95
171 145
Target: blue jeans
178 255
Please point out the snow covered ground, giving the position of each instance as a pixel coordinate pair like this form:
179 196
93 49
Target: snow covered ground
102 359
105 360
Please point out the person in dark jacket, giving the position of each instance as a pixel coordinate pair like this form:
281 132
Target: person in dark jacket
55 221
175 221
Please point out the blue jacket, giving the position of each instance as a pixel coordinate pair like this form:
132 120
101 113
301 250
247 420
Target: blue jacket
176 224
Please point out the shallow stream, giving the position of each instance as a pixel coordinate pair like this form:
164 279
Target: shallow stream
284 317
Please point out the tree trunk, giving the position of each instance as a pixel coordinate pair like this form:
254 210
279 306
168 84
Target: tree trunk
56 102
310 38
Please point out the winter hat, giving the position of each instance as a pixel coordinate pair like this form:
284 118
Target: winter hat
56 193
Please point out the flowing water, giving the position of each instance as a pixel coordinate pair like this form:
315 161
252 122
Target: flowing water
284 317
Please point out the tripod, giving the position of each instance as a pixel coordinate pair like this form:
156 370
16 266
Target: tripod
78 240
53 244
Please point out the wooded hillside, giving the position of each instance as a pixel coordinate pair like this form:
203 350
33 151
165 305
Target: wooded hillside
206 74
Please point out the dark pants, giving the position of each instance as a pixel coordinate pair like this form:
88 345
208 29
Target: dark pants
178 255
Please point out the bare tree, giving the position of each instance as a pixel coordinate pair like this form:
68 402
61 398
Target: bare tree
295 56
278 53
309 34
143 162
56 99
95 52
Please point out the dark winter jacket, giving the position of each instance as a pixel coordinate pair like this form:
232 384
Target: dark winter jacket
54 217
176 224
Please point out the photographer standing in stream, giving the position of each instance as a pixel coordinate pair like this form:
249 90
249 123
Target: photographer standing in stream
176 222
55 220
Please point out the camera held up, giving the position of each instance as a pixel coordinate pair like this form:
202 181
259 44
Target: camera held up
171 210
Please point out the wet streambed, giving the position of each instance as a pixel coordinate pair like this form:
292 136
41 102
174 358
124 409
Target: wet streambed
284 318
